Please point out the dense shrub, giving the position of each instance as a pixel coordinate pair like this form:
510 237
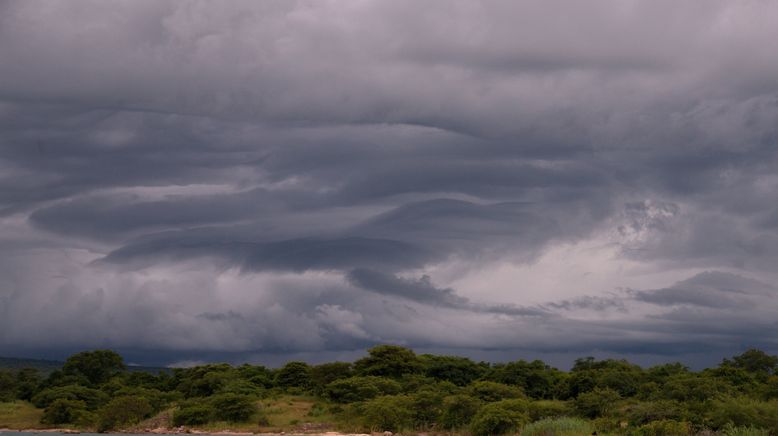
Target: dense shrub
388 413
741 411
596 403
491 391
457 411
122 411
354 389
500 417
664 428
558 427
645 412
233 407
92 398
64 411
543 409
193 414
294 374
460 371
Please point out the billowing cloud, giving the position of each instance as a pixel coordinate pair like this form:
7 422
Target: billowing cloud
290 177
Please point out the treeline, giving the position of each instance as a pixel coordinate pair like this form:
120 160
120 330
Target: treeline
394 389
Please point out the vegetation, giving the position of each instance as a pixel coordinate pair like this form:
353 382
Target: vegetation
393 389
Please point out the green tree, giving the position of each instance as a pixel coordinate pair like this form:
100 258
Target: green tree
123 411
294 374
597 402
63 411
492 391
233 407
458 370
506 416
458 411
388 361
96 366
355 389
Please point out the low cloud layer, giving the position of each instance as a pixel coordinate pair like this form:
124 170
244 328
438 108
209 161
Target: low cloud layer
290 178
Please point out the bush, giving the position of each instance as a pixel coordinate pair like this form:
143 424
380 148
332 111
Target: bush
92 398
492 391
500 417
233 407
122 411
458 411
743 411
731 430
597 402
664 428
355 389
193 414
548 409
388 413
294 374
558 427
645 412
64 411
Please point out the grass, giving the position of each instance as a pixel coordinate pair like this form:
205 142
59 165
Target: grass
558 427
19 415
284 413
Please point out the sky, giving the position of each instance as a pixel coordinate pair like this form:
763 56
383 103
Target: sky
189 181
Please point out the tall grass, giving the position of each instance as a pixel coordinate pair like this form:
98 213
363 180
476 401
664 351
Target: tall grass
731 430
558 427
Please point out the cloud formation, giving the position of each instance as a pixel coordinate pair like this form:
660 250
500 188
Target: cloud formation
299 176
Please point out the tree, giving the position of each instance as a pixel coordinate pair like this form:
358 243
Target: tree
123 411
96 366
754 361
388 361
506 416
233 407
294 374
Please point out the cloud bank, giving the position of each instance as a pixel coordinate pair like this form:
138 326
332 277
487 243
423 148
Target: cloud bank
292 177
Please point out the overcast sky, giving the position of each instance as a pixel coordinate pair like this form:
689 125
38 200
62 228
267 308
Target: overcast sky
260 181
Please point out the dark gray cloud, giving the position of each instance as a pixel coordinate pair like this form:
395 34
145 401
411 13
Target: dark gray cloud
195 176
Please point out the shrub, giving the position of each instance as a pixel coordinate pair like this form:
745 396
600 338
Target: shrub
743 411
492 391
233 407
123 411
294 374
664 428
458 411
548 409
64 411
193 414
92 398
596 403
355 389
558 427
731 430
388 413
500 417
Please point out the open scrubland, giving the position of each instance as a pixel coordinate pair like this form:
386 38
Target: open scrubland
393 389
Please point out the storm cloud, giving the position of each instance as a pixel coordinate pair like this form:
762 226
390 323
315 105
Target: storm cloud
303 178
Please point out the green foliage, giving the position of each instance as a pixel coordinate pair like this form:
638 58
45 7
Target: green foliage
743 411
644 412
388 361
597 402
122 411
492 391
92 398
501 417
195 413
388 413
457 411
8 386
326 373
664 428
354 389
64 411
460 371
548 409
233 407
535 378
558 427
96 366
731 430
294 374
